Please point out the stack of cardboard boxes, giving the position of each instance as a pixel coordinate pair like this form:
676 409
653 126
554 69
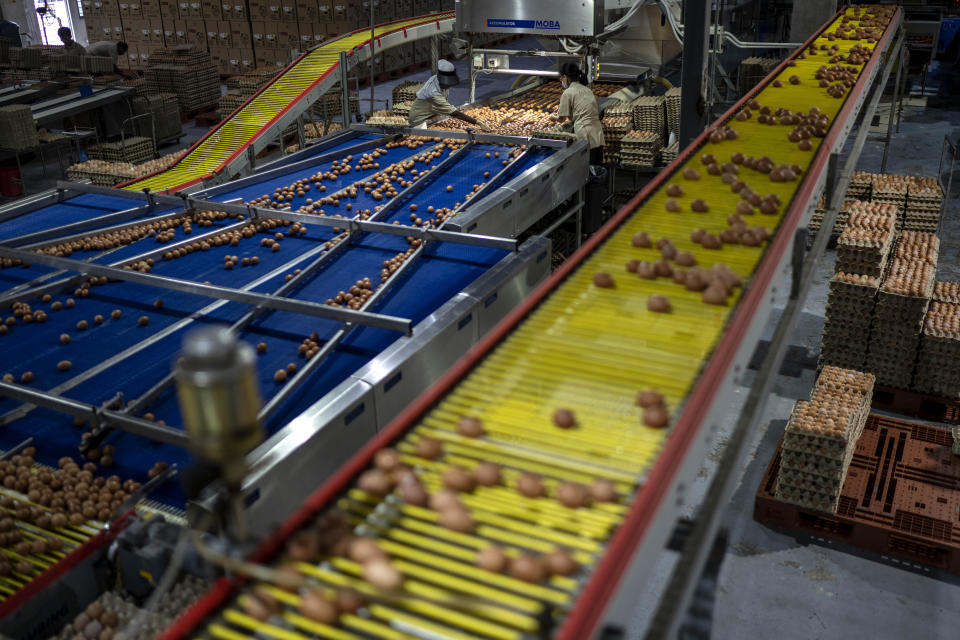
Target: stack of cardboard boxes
242 35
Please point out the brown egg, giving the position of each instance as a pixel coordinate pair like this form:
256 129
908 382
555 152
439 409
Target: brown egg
674 191
805 145
63 365
527 568
691 174
697 235
445 499
261 347
280 375
64 338
303 546
382 575
603 280
668 251
699 205
602 490
492 559
365 549
429 448
663 269
641 240
530 485
470 426
255 607
646 270
672 205
375 482
412 492
564 418
317 607
115 314
457 479
27 377
632 266
655 416
649 398
685 259
143 321
349 601
715 294
560 563
658 304
487 474
457 519
571 494
386 459
711 241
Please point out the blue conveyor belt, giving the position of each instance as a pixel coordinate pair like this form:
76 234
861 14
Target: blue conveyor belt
443 271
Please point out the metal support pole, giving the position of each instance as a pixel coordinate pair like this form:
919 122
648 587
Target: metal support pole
434 54
344 90
473 71
372 41
893 106
695 20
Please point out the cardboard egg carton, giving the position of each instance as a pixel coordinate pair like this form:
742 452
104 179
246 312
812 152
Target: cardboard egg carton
406 91
815 500
944 291
649 114
812 463
640 148
18 130
938 363
669 153
955 432
672 103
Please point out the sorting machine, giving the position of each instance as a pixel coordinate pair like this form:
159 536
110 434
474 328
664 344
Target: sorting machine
585 341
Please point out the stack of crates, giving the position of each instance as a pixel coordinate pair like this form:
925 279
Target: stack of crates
18 131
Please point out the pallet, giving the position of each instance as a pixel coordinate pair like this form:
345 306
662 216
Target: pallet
900 497
207 119
187 116
918 404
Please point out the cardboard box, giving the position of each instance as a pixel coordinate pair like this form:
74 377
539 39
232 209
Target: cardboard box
288 36
212 36
110 8
319 33
256 34
144 30
196 33
306 36
218 57
273 10
91 9
258 10
241 34
210 9
156 31
248 61
151 9
306 12
288 10
224 37
271 36
136 10
338 28
325 11
234 10
116 29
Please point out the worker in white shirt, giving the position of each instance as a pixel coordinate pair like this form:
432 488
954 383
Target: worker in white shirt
432 99
579 106
109 49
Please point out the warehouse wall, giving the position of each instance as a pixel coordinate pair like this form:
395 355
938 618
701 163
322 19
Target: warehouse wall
808 16
21 12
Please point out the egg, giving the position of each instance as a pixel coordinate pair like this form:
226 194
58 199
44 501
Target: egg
658 304
445 499
255 608
527 568
668 251
386 459
382 575
374 482
691 174
349 601
571 494
317 607
674 191
457 519
685 259
530 485
603 280
63 365
365 549
429 448
64 338
602 490
699 205
143 321
470 426
303 546
560 563
641 240
412 492
715 294
492 559
649 398
655 416
457 479
280 375
564 418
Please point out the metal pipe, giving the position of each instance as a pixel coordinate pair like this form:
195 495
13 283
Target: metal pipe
390 323
373 36
344 90
696 18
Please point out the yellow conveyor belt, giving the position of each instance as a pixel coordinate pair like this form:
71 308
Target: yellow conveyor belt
241 128
584 348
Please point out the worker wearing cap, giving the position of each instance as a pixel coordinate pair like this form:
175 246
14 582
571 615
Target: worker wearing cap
432 99
69 44
579 105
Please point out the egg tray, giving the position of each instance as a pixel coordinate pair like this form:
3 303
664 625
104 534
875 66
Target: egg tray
669 153
513 388
753 69
134 149
96 64
196 86
672 104
825 502
18 131
945 291
807 462
406 91
649 114
26 57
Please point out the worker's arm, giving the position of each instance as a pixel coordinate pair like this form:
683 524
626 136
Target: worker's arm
460 115
440 104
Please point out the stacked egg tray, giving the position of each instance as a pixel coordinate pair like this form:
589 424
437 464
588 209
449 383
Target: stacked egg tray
192 76
849 314
250 82
938 366
640 149
18 131
901 307
96 64
486 509
649 114
924 205
406 91
672 102
616 123
387 119
329 104
955 432
26 57
164 122
401 109
861 186
890 189
867 237
135 149
821 437
669 153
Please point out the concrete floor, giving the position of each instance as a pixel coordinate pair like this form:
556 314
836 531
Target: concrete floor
775 585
